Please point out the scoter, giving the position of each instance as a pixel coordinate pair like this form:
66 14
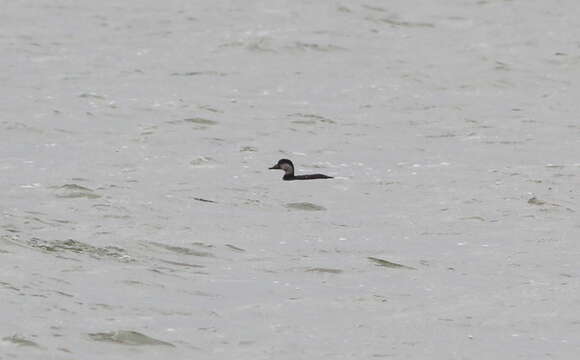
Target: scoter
288 167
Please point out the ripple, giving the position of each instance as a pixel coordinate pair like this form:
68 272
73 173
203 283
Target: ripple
80 248
127 337
306 206
200 121
315 47
385 263
73 191
198 73
310 119
182 250
400 23
325 270
20 341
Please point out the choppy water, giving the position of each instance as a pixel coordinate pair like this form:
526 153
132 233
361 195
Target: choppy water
139 218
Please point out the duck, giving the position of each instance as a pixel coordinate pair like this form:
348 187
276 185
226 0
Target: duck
288 167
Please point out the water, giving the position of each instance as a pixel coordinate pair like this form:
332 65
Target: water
139 217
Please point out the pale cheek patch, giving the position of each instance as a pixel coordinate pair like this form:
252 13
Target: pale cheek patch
287 168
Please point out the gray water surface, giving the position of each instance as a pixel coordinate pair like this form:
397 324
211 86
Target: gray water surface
140 220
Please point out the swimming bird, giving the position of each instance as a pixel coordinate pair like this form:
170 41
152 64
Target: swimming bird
288 167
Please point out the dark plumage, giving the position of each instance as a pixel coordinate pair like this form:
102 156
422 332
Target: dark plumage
288 167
